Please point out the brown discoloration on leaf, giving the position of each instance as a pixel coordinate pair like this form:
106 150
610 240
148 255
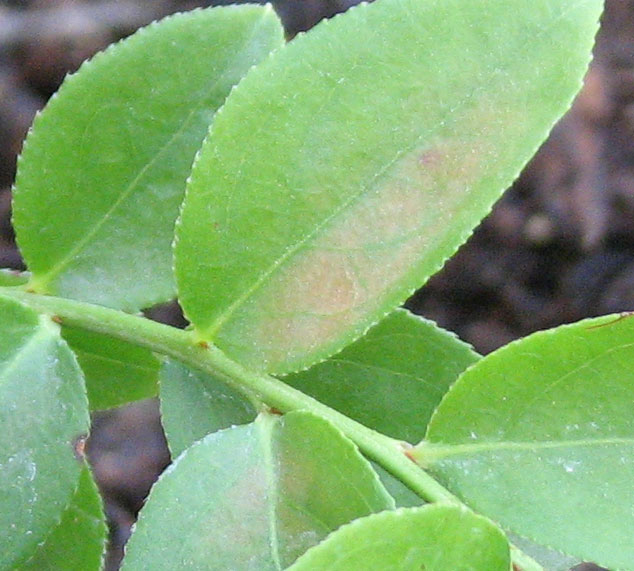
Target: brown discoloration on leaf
356 261
79 447
323 283
287 334
620 317
430 158
399 225
248 497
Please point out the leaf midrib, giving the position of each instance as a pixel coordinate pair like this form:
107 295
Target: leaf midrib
380 369
430 452
265 435
42 333
41 282
144 368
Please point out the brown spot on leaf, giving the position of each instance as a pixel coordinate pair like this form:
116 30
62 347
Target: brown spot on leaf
79 447
430 158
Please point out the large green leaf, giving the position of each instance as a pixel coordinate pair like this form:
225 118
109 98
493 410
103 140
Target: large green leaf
433 538
360 156
116 372
78 542
393 377
254 497
103 171
540 436
194 404
43 410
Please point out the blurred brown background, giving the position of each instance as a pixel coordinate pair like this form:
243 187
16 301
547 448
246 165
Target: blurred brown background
558 247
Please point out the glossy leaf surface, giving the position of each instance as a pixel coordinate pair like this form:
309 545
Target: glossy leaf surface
79 540
103 170
539 436
194 404
433 538
43 410
254 497
116 372
392 378
361 156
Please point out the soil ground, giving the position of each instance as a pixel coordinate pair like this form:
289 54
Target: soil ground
558 247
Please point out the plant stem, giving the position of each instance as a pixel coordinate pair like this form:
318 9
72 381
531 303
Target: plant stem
181 345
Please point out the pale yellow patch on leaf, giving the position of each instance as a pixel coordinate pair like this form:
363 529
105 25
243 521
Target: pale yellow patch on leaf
395 226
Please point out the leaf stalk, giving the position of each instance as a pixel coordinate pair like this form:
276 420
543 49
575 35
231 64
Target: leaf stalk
391 454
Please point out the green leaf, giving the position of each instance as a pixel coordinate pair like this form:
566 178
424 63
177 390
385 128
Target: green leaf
392 378
43 411
403 496
549 559
254 497
103 171
539 436
194 404
10 278
116 372
361 156
79 540
434 538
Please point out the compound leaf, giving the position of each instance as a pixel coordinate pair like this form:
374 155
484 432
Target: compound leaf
254 497
361 156
103 170
43 412
392 378
539 436
433 538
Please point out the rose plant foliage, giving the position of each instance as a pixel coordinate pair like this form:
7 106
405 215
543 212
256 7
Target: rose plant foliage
312 423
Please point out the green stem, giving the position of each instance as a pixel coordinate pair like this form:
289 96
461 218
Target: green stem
181 345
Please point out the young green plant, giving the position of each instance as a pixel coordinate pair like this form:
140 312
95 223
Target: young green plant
331 176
